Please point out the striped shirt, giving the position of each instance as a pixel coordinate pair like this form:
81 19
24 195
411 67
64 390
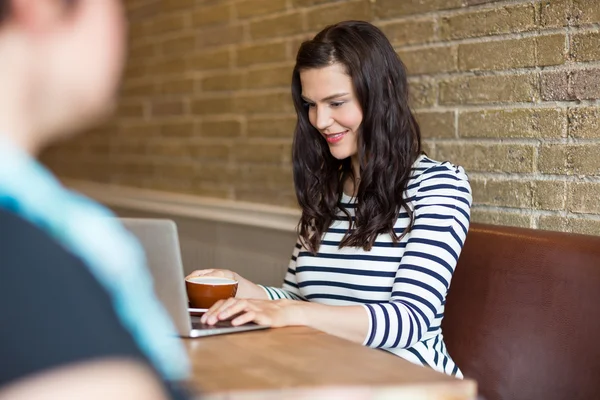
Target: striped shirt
403 287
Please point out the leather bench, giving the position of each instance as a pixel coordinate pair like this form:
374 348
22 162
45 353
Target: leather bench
523 314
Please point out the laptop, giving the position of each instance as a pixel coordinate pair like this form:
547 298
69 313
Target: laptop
161 243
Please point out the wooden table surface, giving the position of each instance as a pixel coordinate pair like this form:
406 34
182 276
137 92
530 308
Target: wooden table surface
302 363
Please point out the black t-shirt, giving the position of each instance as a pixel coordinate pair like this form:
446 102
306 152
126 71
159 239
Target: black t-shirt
53 312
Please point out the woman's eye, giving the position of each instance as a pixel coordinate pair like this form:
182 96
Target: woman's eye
308 105
337 103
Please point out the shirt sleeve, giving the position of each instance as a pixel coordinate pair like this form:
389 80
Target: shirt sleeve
442 205
289 289
52 310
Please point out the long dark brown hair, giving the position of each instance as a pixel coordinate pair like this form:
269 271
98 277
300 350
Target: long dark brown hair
389 139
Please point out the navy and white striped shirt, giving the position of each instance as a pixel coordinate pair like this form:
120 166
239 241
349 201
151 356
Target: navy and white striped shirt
403 287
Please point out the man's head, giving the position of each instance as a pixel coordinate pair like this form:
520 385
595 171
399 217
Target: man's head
60 68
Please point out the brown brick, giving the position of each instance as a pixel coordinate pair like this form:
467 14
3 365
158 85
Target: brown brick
136 69
555 86
211 60
209 152
139 89
223 128
503 193
516 123
220 35
544 195
168 148
585 84
513 53
570 159
172 170
306 3
429 60
144 11
504 218
585 46
584 122
265 153
167 24
212 15
395 8
571 85
168 66
489 89
218 173
138 131
423 93
436 124
549 195
409 32
356 10
263 176
584 197
177 86
173 5
488 158
585 12
177 129
272 127
507 19
500 54
143 51
264 103
550 50
254 8
261 53
226 81
270 77
554 13
208 106
477 2
568 224
178 46
167 107
130 109
276 197
278 26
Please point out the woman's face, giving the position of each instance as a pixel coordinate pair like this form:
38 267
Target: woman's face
333 108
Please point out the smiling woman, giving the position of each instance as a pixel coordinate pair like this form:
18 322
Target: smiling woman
382 225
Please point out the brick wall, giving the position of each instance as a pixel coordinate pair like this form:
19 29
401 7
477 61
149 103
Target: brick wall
508 89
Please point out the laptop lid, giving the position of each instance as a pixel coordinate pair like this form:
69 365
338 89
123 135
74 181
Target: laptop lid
160 241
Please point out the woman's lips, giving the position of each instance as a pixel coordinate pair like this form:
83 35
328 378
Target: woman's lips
335 137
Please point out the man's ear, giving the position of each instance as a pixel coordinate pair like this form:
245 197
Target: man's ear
36 16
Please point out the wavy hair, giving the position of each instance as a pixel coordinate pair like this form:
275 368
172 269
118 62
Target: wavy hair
389 139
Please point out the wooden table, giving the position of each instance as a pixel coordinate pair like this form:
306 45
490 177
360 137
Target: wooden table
302 363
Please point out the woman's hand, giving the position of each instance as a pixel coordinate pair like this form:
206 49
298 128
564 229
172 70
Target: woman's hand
273 313
220 273
246 289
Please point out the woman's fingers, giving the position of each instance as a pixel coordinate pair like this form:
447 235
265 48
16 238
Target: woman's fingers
244 318
225 310
211 311
200 272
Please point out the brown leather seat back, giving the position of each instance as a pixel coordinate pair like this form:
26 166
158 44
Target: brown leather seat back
523 314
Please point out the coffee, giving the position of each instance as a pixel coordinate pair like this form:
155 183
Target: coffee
205 291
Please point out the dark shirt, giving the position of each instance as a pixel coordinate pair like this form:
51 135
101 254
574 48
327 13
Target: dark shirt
53 312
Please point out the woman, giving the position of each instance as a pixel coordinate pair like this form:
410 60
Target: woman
382 225
73 282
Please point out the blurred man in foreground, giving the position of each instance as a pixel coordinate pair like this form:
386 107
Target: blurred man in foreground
78 316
